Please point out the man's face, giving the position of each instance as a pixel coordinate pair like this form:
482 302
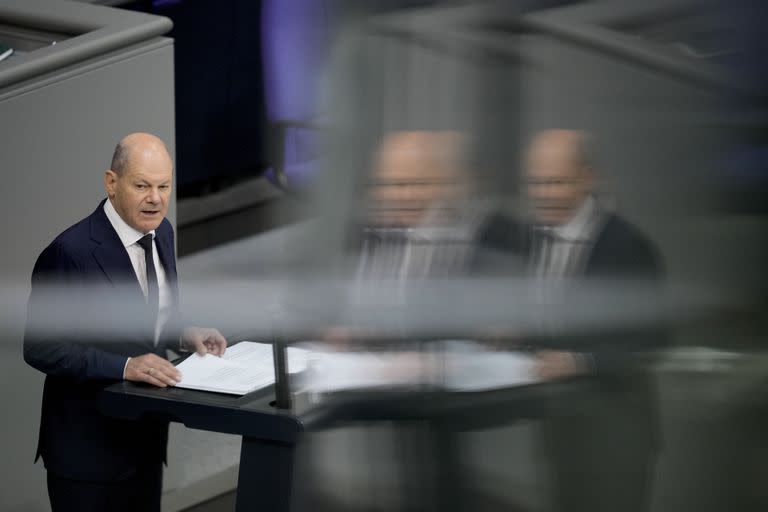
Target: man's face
558 181
141 192
416 171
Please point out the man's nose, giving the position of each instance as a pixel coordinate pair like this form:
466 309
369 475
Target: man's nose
154 196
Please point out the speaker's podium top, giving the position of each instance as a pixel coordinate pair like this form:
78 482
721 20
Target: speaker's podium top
253 415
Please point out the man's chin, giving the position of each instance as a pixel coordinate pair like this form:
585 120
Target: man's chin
551 218
147 226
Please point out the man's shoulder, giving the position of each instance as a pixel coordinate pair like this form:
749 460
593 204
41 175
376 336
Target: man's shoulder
72 242
621 244
165 228
620 231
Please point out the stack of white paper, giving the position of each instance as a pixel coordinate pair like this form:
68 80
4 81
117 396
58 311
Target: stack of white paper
244 367
452 365
455 366
338 371
471 367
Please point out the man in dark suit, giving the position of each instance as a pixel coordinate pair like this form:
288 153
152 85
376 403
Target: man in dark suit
103 308
600 430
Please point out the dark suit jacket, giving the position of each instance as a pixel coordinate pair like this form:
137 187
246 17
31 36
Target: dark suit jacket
619 394
620 251
86 274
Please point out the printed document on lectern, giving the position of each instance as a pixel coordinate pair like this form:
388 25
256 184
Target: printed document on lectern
244 367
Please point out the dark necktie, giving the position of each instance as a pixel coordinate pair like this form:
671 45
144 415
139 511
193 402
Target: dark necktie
153 289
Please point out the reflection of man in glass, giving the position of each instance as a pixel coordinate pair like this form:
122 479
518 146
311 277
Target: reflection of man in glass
600 436
416 223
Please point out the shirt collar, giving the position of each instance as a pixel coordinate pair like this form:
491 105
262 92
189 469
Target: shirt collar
580 225
127 234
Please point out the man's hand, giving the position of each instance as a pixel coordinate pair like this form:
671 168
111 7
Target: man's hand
204 340
554 364
152 369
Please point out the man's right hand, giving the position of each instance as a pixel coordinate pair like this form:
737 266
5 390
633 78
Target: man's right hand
152 369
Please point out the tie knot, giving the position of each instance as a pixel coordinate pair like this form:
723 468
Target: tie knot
146 242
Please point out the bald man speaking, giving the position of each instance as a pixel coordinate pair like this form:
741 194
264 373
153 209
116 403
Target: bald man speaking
116 267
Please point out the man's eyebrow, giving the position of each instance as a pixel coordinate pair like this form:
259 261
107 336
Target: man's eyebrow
143 178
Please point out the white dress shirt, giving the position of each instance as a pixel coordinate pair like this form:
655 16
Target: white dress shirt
563 250
130 237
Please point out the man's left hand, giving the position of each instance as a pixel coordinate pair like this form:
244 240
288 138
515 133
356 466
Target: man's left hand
553 364
204 340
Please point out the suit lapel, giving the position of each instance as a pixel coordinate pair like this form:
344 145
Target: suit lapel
166 253
110 253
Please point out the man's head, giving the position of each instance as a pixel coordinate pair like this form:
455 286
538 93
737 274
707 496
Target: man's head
559 175
415 172
139 181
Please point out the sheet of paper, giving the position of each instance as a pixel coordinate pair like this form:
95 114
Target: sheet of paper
260 354
471 367
211 373
454 366
337 371
244 367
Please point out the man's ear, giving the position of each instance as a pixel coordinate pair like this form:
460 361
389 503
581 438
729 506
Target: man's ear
110 182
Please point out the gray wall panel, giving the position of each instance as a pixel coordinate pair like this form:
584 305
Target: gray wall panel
55 143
